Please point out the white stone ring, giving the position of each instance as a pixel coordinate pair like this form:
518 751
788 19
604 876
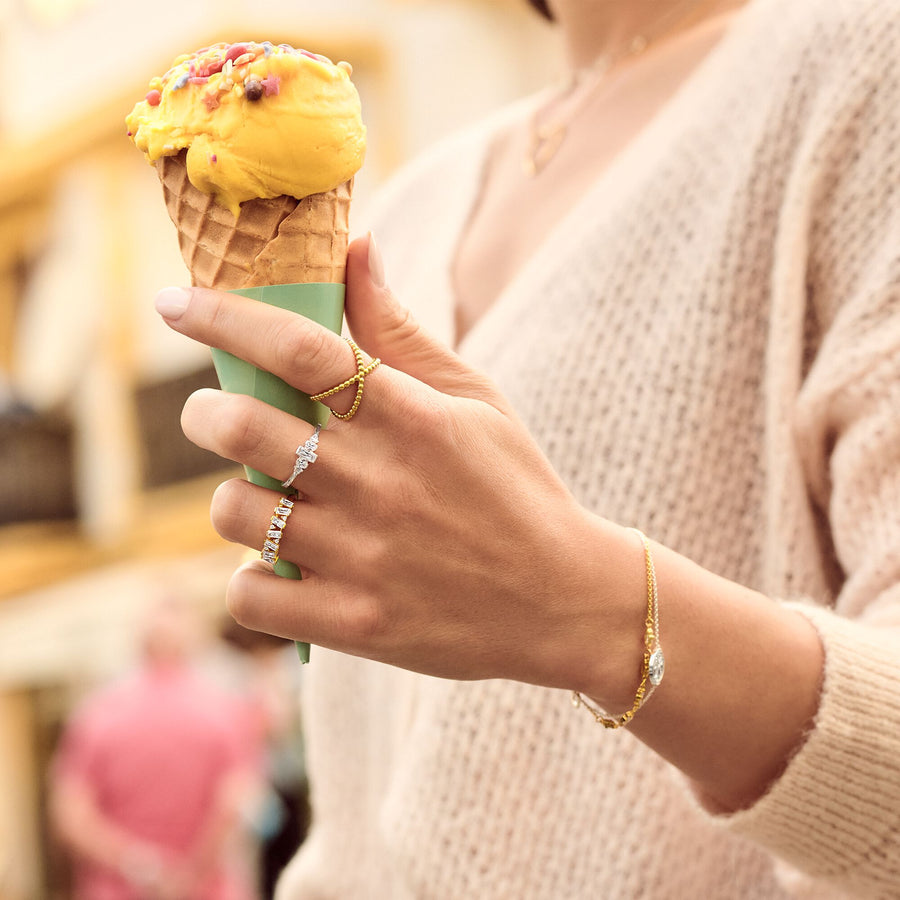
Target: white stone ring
306 456
276 530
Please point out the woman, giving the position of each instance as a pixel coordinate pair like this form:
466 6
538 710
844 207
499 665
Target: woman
680 273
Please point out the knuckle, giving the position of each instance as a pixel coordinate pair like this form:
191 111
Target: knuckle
241 430
218 312
409 495
295 340
365 620
374 557
240 599
422 411
228 510
436 415
405 325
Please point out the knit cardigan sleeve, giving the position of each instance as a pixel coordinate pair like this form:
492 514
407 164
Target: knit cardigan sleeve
834 815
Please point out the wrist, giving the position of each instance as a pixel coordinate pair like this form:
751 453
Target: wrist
652 658
605 654
743 684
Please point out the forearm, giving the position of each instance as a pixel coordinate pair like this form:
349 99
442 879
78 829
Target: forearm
91 835
743 674
223 823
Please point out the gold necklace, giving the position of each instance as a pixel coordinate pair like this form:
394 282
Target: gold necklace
545 141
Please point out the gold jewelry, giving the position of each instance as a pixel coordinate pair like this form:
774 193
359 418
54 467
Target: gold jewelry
359 379
653 666
545 141
276 530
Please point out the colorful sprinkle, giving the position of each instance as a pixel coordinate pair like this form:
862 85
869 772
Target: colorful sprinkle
227 60
214 65
253 89
235 50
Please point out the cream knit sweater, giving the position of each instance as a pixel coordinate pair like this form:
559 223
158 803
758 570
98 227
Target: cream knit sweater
709 348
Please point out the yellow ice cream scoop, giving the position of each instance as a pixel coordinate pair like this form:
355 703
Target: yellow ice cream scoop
257 120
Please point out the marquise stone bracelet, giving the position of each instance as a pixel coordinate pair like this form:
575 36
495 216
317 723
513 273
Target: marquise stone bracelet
653 666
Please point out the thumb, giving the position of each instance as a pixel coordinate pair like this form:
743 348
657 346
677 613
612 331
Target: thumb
384 328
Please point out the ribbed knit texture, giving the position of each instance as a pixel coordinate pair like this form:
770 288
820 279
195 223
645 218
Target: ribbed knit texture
708 347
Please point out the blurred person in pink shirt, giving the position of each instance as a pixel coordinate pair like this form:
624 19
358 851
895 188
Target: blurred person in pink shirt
150 777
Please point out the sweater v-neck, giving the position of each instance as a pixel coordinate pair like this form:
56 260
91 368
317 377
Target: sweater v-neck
623 171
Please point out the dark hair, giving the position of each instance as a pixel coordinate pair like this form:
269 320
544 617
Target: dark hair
542 8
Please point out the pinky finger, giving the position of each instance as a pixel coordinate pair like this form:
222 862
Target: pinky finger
314 610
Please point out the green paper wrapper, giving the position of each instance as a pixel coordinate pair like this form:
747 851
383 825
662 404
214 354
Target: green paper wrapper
323 303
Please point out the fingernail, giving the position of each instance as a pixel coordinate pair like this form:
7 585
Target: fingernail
376 263
171 302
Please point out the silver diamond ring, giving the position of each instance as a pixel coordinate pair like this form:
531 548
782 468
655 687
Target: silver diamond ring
306 455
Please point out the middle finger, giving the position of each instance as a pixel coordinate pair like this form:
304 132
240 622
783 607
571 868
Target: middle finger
251 432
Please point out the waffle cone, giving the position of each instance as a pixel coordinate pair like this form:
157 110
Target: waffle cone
277 241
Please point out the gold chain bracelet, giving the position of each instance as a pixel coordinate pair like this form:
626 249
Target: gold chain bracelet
653 665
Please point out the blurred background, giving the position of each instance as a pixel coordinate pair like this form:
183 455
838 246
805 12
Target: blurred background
103 502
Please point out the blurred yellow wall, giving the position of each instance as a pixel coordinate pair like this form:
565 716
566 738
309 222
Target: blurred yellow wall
84 244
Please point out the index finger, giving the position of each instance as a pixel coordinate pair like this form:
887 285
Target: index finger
303 353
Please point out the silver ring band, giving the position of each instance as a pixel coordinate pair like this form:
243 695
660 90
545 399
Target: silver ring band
276 529
306 456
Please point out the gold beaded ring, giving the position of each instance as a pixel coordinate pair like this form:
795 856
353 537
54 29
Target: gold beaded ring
359 379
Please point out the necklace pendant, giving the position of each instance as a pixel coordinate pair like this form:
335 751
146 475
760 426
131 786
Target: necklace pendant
545 145
545 142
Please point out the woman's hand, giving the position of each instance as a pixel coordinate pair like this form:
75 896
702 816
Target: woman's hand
432 533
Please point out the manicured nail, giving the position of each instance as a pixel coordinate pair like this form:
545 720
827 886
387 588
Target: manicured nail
376 263
171 302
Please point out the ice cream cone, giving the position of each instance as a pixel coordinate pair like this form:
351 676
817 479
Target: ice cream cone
287 252
277 241
237 132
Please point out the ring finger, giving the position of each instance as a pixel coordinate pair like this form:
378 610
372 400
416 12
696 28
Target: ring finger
310 537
